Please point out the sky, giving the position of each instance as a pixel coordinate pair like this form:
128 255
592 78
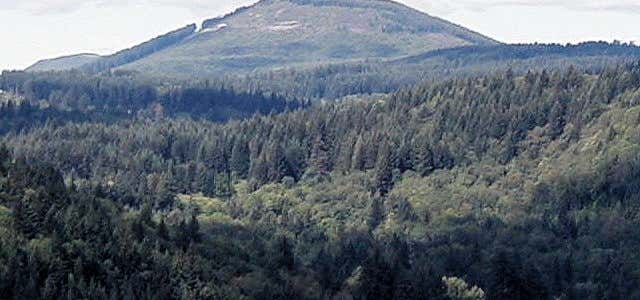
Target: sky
35 29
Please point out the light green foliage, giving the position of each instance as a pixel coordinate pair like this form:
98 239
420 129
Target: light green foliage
458 289
5 214
211 210
334 206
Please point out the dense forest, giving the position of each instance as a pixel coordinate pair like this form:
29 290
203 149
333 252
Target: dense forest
514 185
32 99
332 81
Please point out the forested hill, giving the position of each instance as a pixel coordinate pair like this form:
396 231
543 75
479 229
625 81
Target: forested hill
286 33
335 80
386 76
33 99
501 186
332 48
95 63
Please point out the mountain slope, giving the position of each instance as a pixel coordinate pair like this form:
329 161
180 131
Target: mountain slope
63 63
283 33
94 63
140 51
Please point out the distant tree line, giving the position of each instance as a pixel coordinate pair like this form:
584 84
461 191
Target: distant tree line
75 96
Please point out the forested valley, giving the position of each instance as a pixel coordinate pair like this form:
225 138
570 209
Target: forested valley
511 185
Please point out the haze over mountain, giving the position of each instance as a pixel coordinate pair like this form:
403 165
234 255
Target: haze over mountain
283 33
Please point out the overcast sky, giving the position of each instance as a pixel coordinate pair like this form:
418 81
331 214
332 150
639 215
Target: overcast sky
35 29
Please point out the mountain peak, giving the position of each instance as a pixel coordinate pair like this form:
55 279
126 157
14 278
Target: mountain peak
298 33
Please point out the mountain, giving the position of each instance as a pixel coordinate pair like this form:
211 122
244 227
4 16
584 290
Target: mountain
95 63
63 63
284 33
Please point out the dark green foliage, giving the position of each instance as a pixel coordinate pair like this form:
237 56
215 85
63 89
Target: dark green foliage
64 97
432 127
284 256
524 186
4 159
336 80
377 278
384 170
509 281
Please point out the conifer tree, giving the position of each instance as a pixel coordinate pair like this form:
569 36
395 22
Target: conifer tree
239 162
384 170
162 231
193 230
319 161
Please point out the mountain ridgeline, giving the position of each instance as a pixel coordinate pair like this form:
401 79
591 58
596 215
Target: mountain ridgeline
95 64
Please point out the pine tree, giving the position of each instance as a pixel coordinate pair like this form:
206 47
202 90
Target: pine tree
26 219
358 161
259 169
164 196
319 161
146 214
208 183
193 229
5 157
286 257
276 161
181 235
376 281
345 155
239 162
162 231
376 213
223 185
384 170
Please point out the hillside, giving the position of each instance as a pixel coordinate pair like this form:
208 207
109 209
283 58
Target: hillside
323 150
275 34
525 187
94 63
285 33
332 81
63 63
